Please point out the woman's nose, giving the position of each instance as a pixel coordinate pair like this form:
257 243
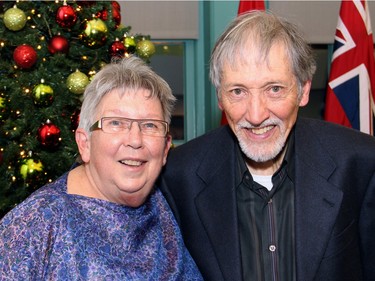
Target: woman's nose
134 135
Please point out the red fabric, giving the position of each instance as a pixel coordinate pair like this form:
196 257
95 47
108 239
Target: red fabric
245 6
350 98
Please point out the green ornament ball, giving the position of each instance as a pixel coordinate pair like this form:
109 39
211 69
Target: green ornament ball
14 19
43 95
145 49
4 109
77 82
2 101
95 33
130 44
30 167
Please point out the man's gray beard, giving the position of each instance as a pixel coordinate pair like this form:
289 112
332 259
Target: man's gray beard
257 155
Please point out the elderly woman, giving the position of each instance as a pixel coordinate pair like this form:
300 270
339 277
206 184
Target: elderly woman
104 219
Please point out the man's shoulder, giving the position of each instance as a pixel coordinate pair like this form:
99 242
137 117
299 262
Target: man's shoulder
333 136
330 129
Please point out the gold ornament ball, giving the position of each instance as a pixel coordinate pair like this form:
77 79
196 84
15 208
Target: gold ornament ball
77 82
14 19
145 49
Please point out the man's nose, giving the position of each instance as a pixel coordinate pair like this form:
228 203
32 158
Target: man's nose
257 109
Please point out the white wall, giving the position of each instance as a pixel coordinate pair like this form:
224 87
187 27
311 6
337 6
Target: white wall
161 19
318 19
180 19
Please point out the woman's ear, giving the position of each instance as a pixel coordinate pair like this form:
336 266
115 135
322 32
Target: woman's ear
83 143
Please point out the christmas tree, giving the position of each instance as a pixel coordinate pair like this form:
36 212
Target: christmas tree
49 51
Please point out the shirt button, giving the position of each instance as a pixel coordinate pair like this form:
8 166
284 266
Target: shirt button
272 248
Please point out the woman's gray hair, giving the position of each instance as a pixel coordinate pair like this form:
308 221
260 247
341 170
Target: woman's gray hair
262 29
124 74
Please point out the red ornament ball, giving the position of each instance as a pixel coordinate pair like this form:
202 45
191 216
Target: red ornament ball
103 15
116 5
58 44
25 56
117 49
116 13
66 16
49 135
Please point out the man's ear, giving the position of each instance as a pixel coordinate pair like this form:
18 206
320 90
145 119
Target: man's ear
219 101
168 145
83 143
305 94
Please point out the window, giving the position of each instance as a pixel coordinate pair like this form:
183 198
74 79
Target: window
168 62
315 107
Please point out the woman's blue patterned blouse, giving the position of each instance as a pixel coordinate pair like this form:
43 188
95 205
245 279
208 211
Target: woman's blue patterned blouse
53 235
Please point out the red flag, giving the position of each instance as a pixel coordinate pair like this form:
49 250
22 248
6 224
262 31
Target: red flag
243 7
351 84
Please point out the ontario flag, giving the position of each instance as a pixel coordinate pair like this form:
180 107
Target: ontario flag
245 6
351 85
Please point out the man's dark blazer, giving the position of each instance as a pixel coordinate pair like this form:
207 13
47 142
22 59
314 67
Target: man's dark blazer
334 202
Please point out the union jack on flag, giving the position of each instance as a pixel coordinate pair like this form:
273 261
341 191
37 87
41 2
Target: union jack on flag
351 86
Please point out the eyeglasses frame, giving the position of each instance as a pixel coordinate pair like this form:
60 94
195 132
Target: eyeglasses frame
98 124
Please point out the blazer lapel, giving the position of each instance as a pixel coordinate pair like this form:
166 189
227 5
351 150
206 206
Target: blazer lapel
216 205
317 202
